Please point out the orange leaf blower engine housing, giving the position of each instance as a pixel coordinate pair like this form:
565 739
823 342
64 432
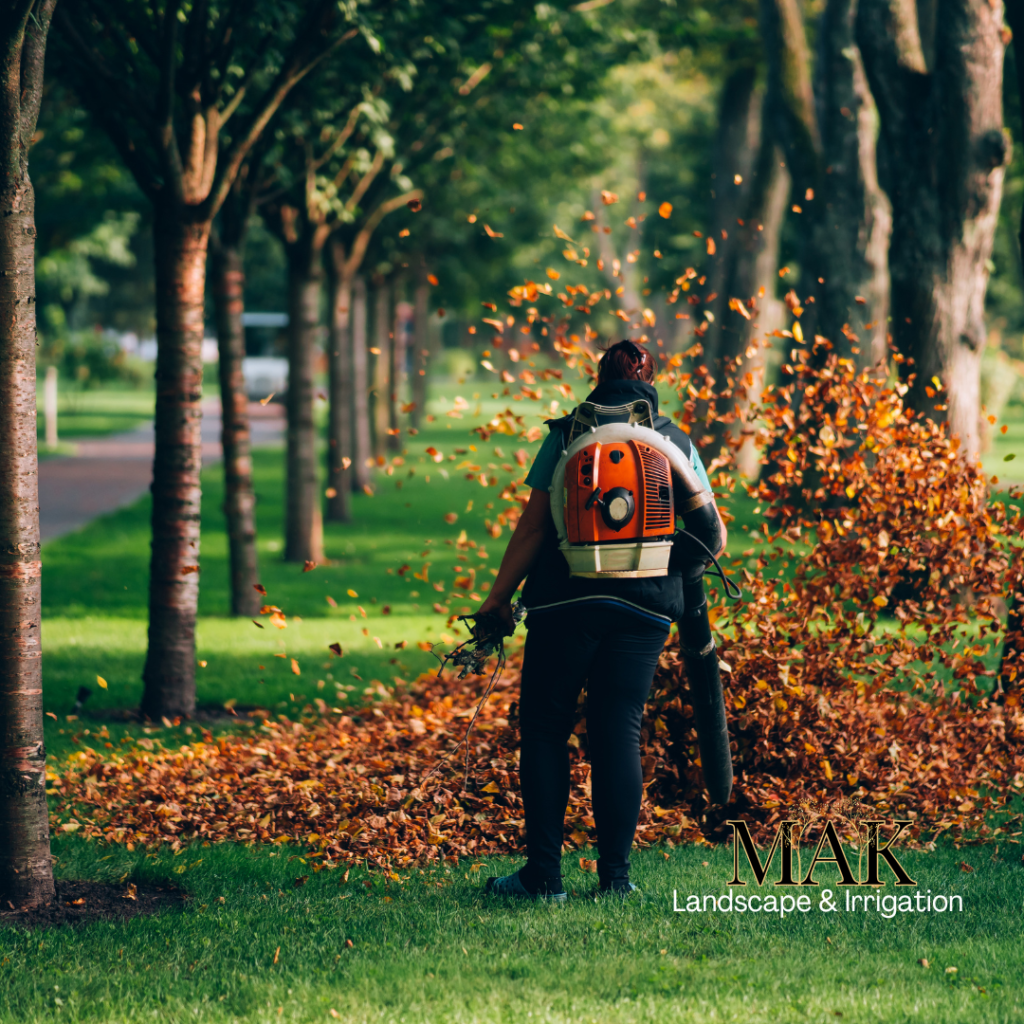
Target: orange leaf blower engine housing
613 493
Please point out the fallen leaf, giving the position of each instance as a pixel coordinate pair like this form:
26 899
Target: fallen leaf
309 566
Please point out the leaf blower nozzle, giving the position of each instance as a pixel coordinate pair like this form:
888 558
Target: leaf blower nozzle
700 657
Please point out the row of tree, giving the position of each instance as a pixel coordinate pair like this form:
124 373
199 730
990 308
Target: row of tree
328 117
317 115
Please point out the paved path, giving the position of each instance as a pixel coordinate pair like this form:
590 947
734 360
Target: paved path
109 472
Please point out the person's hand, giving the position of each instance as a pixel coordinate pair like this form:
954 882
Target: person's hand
503 609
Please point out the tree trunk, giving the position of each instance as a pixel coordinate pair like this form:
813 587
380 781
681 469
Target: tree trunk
755 275
381 367
827 132
944 155
1015 19
852 217
736 148
228 280
339 430
169 673
360 388
398 361
303 519
26 877
421 346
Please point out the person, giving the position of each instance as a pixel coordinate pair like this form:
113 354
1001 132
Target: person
606 634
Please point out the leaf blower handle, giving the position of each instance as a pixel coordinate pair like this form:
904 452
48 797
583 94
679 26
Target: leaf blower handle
701 660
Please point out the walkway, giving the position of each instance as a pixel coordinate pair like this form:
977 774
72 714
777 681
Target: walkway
107 473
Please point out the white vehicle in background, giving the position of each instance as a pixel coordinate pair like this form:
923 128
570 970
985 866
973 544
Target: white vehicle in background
264 374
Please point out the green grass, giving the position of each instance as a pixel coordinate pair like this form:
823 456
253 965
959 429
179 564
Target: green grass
430 946
95 412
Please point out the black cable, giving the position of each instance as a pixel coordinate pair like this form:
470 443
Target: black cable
720 572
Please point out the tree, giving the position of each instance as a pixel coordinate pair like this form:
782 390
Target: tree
166 80
825 125
936 74
331 184
227 280
26 875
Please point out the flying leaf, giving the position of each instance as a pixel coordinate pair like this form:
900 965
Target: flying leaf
608 198
260 589
101 682
309 566
295 668
336 648
491 233
432 279
665 210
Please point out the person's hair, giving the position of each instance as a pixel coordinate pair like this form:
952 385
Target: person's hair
626 361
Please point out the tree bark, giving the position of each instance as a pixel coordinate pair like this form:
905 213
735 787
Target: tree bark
26 876
755 275
381 367
399 353
943 158
826 128
852 217
1015 19
340 425
360 388
228 280
303 519
169 673
736 148
421 346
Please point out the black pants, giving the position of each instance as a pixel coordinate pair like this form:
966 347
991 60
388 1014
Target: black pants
616 653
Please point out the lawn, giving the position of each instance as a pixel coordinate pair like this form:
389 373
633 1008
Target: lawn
257 943
94 412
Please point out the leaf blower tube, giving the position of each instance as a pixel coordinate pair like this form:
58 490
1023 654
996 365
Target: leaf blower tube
700 656
701 538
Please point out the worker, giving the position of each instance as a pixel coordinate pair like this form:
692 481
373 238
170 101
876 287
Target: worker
605 573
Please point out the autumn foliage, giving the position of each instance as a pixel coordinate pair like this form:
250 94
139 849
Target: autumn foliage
868 667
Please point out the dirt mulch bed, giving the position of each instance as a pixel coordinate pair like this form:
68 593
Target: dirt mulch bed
84 902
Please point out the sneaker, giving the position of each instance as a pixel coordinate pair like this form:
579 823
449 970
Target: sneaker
510 885
619 888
